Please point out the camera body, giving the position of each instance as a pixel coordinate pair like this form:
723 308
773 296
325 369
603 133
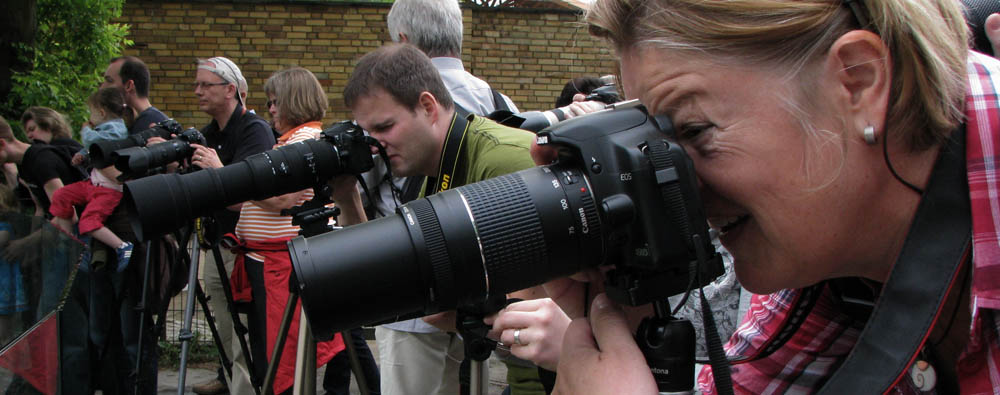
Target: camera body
135 162
351 143
100 152
620 194
646 194
162 203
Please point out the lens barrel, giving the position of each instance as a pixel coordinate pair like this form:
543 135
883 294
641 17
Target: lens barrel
454 248
162 203
136 162
100 152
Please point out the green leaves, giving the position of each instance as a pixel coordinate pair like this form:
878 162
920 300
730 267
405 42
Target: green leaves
74 42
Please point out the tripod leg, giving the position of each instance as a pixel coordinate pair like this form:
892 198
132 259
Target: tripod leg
352 354
142 316
279 342
241 330
185 335
305 359
203 301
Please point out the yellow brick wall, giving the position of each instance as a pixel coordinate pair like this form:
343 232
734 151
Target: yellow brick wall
528 55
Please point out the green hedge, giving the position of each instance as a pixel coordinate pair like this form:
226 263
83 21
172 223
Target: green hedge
72 47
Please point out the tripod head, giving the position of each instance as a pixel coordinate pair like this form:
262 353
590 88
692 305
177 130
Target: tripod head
313 216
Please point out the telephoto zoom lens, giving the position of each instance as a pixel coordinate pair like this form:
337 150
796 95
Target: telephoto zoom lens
453 248
162 203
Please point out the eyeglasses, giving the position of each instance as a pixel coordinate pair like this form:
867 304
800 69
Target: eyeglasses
206 85
271 103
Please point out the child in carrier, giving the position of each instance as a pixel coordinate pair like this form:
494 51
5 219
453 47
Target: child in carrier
102 191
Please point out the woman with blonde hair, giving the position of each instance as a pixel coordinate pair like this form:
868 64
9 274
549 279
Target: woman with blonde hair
846 151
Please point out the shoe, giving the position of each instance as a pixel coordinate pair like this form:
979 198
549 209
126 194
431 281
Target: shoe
212 387
124 255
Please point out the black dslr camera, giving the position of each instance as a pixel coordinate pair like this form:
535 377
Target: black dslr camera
162 203
620 194
100 152
136 162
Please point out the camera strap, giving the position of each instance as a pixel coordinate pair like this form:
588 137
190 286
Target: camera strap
452 148
911 301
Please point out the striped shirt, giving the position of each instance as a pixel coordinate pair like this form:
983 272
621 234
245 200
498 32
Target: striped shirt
825 338
259 224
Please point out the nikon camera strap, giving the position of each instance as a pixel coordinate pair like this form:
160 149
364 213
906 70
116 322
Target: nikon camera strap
449 159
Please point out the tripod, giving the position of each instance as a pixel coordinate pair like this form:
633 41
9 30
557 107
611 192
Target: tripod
195 291
313 218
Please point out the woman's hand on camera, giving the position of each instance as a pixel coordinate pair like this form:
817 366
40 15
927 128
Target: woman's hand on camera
205 158
570 293
599 355
539 325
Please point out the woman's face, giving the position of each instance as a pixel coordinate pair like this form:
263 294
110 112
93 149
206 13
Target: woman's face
35 132
782 198
272 107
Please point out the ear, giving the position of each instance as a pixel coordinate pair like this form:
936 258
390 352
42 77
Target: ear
427 105
403 38
862 74
129 86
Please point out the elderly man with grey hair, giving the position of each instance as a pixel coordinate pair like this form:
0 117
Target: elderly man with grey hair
233 134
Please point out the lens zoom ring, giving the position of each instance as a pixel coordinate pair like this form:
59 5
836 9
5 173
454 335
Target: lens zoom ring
509 229
436 249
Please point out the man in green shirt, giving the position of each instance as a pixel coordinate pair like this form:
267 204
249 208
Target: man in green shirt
397 95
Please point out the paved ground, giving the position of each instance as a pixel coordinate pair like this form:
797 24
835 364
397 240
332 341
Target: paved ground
167 382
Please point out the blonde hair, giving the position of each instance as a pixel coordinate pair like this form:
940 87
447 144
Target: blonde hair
300 96
927 42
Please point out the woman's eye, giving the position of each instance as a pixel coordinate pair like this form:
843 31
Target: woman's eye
690 131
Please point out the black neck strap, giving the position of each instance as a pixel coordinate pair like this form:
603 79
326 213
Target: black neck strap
911 300
449 159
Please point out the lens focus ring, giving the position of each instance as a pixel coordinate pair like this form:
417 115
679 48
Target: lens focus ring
436 250
509 229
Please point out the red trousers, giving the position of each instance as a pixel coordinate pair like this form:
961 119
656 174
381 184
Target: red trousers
100 202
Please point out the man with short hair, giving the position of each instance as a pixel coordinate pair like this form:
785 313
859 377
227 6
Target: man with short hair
435 27
397 95
233 134
131 75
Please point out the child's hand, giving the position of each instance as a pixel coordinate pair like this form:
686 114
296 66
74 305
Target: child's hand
78 159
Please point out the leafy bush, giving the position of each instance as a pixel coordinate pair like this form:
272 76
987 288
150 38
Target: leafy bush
73 44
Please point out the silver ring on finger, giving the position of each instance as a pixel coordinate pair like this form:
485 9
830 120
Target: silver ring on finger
517 337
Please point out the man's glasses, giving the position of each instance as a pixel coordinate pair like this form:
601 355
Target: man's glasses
206 85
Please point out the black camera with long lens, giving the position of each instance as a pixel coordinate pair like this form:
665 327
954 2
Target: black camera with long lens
136 162
619 194
100 152
161 203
